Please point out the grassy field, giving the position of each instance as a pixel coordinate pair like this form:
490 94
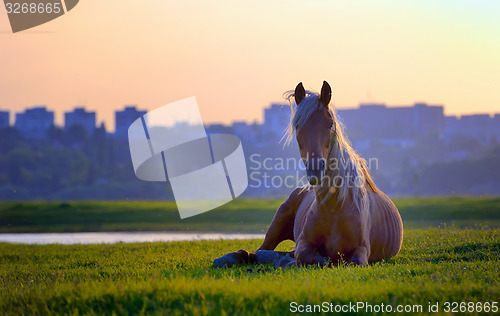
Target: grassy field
436 265
245 216
441 261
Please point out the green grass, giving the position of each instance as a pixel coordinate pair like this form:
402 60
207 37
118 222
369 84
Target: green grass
237 216
435 265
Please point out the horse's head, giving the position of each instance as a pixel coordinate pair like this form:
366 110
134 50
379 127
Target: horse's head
313 123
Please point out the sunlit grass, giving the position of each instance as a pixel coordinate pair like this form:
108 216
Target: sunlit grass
435 265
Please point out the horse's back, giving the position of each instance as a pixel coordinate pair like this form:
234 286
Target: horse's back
386 233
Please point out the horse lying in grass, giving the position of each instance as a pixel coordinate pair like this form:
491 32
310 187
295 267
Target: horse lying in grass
341 216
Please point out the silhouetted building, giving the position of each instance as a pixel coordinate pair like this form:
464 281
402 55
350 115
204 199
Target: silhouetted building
452 128
429 120
393 125
4 119
496 124
81 117
482 127
219 129
123 120
247 132
276 121
34 122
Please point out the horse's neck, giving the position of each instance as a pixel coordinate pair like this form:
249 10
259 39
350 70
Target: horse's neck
327 194
341 192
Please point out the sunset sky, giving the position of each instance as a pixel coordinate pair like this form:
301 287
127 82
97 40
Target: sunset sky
237 57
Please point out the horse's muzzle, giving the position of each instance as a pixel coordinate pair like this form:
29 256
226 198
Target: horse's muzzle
315 169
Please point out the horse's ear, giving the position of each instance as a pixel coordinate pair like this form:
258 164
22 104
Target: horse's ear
326 94
300 93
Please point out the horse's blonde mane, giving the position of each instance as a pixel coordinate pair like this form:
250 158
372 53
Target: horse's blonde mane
349 166
301 114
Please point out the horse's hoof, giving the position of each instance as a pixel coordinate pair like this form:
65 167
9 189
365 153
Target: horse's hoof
321 261
357 262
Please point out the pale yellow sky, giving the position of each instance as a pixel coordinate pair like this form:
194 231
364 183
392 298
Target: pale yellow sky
236 57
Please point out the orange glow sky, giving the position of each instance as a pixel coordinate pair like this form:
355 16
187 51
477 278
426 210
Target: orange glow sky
237 57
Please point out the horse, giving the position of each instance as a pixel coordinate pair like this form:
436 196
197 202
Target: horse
341 215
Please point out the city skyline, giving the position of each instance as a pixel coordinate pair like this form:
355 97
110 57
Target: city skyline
78 108
366 124
236 57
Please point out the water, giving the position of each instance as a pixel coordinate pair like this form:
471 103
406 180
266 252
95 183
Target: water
111 238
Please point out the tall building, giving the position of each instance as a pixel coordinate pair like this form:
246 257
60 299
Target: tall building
429 120
34 122
123 120
81 117
276 121
4 119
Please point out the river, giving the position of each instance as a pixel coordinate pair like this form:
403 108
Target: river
116 237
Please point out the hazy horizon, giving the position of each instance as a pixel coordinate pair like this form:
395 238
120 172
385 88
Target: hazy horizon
239 58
